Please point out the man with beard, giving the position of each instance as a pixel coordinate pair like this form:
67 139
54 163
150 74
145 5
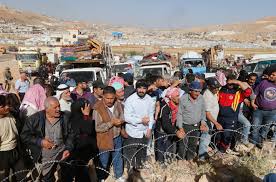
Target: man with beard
49 137
63 94
264 105
138 112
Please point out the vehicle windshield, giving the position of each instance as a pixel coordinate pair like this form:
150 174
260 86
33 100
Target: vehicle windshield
250 67
118 68
27 57
80 76
193 63
261 66
152 71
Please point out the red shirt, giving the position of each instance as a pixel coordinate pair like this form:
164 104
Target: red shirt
226 96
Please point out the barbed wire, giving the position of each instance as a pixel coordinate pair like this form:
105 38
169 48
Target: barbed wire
165 154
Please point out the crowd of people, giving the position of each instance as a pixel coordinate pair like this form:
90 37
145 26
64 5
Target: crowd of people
122 124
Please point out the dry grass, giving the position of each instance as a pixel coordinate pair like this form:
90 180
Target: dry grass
250 166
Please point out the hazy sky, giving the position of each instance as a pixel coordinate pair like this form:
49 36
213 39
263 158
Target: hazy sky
151 13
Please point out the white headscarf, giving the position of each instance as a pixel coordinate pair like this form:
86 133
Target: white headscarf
60 89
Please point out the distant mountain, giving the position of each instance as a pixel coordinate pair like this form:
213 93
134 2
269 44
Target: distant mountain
262 30
11 15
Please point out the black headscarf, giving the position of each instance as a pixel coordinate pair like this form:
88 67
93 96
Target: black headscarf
83 128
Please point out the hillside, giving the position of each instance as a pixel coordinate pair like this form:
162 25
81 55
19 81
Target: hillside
261 31
10 15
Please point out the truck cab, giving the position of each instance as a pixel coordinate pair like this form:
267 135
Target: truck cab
195 64
122 68
155 69
28 57
88 75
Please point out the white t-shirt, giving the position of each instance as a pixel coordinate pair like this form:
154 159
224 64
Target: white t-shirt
8 133
111 109
211 103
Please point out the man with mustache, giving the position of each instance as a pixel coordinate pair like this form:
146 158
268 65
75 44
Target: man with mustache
49 137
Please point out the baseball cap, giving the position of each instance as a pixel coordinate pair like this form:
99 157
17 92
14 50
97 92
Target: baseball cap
213 82
196 86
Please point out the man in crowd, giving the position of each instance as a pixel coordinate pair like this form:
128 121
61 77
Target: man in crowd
97 93
189 78
65 79
264 105
49 137
33 100
63 94
191 118
108 116
138 112
8 78
80 92
230 98
245 111
210 97
22 85
29 72
129 87
251 79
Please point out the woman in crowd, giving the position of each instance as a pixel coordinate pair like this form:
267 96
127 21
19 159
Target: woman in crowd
84 129
165 125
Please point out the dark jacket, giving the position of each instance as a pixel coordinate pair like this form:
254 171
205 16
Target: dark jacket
84 129
164 122
34 131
